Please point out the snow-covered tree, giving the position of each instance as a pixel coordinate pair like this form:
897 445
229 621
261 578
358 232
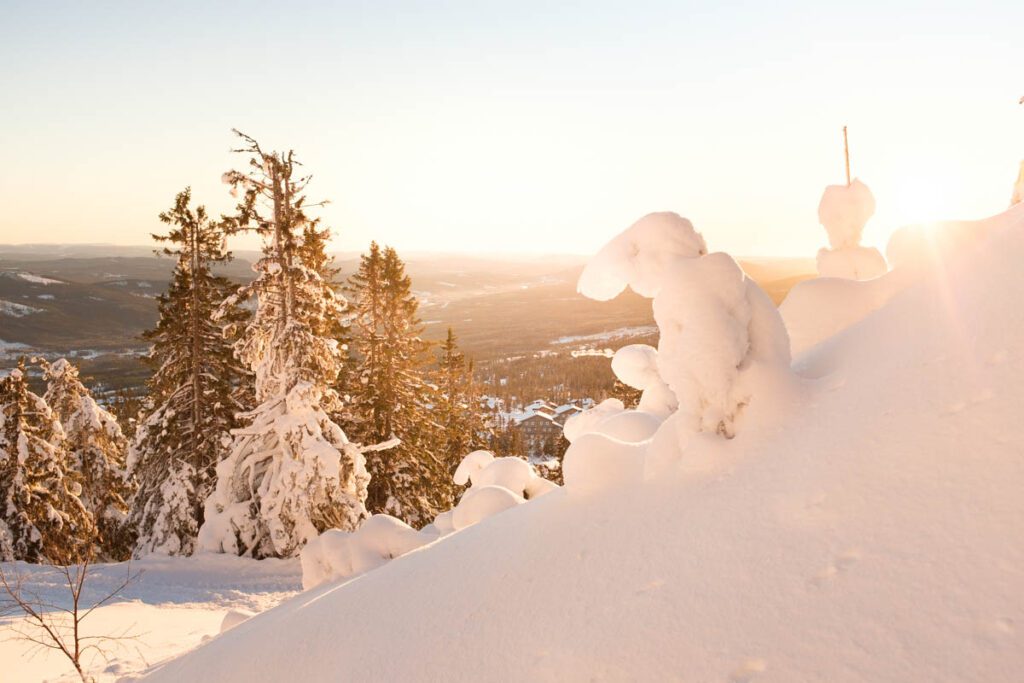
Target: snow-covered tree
291 472
409 481
843 211
43 519
196 388
96 451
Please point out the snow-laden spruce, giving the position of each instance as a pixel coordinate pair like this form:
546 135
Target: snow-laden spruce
196 388
42 518
291 472
843 211
96 452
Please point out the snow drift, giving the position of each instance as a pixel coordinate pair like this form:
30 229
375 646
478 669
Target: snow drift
866 524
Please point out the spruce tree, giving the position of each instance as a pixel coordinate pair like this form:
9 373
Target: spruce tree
42 518
291 473
456 408
196 388
409 481
96 453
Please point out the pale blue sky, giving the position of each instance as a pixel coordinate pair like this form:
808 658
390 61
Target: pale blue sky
511 126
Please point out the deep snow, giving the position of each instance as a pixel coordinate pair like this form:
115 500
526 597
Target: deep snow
175 604
865 523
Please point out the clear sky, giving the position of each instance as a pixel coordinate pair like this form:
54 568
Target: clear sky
512 126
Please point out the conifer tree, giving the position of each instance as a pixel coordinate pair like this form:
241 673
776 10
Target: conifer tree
291 472
42 518
196 388
408 481
96 453
456 408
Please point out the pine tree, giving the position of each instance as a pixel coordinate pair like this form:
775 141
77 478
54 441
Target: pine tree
408 481
96 453
291 472
43 519
196 388
456 409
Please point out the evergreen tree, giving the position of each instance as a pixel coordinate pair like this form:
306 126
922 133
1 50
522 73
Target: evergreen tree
456 408
43 519
96 453
291 472
196 388
408 481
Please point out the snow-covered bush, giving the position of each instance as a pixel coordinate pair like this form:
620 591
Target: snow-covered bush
844 210
336 554
718 329
497 484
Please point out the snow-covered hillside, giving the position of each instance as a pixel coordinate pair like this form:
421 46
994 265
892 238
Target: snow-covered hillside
866 523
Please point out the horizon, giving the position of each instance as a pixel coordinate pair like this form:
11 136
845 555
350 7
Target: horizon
483 129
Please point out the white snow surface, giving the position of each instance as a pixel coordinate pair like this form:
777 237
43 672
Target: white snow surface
639 256
176 603
16 310
865 524
852 263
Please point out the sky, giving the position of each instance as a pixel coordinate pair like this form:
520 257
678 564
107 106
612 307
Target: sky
528 127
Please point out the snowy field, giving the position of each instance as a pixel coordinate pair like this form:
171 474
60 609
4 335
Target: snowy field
173 606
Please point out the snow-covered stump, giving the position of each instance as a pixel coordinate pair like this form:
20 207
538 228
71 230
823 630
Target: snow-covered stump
843 211
719 332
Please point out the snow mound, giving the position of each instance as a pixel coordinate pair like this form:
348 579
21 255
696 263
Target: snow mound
816 310
335 554
872 531
481 502
852 263
597 461
638 257
234 617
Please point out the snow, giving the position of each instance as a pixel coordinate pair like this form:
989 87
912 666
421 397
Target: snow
174 605
864 523
39 279
818 309
639 256
854 263
337 554
16 310
843 211
618 333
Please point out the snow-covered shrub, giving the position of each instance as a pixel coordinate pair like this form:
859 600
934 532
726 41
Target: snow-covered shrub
336 554
717 328
844 210
496 484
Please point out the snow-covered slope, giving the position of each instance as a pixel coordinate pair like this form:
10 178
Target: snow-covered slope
868 525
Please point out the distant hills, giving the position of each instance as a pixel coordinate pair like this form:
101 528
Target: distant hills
95 300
